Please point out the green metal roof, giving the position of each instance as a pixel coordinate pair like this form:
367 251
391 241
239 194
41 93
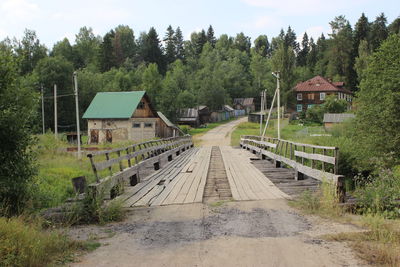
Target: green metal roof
113 105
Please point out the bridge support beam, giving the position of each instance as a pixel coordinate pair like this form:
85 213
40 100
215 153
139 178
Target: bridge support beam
277 164
298 176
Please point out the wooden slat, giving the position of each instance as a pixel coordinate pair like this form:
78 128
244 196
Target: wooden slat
319 157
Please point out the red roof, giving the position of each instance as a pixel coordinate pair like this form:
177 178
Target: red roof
320 84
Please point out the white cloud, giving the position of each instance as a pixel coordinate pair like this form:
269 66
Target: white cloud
3 34
19 10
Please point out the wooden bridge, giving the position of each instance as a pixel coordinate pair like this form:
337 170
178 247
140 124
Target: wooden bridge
173 171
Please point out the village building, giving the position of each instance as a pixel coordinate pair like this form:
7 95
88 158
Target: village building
194 116
331 119
120 116
314 92
244 103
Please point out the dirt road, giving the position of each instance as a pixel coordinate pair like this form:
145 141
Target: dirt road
235 233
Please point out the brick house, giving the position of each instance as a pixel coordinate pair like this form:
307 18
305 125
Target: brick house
314 91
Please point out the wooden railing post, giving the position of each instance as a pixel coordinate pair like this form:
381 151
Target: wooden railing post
90 156
108 158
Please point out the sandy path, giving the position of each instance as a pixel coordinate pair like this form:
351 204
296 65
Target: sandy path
244 233
221 135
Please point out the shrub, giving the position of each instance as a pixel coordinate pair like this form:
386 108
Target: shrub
379 193
185 129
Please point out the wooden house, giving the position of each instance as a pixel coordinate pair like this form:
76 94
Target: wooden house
330 119
247 104
314 91
119 116
189 116
167 128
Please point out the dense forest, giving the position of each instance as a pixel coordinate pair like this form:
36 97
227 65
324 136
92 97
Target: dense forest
178 73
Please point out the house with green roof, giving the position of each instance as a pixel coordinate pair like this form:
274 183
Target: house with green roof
120 116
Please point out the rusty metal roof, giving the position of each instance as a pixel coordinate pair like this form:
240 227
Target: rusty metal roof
337 117
320 84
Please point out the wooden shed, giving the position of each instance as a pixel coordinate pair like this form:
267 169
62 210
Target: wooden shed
330 119
167 128
119 116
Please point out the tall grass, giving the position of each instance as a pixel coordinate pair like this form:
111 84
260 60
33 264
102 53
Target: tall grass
25 243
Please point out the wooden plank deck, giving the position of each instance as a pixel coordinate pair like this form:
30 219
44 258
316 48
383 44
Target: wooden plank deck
182 181
245 180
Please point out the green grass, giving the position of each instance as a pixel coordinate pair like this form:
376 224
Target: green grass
293 132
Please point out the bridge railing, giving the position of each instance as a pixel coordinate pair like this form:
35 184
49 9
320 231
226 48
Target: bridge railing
318 162
121 166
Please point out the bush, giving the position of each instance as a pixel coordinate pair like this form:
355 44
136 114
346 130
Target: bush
379 194
17 112
26 244
94 210
185 128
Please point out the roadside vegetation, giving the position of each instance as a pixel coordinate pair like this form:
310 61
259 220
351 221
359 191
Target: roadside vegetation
369 158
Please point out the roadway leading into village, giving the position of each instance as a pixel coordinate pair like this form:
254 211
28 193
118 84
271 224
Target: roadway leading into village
183 229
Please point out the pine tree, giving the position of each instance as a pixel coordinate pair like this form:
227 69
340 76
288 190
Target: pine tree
361 32
290 39
394 27
170 45
242 42
106 57
180 50
312 55
210 36
303 53
152 51
379 31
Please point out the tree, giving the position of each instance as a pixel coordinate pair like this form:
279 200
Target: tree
261 46
283 60
173 85
86 48
290 39
361 32
394 27
63 49
341 59
57 70
186 99
170 45
29 51
198 40
312 56
260 70
17 111
303 53
242 42
152 51
151 83
124 46
210 36
379 32
106 57
362 60
377 125
180 51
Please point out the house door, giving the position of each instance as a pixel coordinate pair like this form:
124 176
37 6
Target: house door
108 136
94 136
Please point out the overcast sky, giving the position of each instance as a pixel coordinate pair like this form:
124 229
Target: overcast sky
55 19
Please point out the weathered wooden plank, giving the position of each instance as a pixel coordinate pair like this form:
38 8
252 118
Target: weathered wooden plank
319 157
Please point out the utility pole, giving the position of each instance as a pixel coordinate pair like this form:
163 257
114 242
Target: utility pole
276 74
77 115
55 111
261 110
41 90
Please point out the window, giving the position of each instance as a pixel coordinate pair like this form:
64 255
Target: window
136 125
321 96
311 96
148 125
299 108
141 105
299 97
310 105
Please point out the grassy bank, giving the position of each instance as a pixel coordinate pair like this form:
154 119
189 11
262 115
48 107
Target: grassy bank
25 243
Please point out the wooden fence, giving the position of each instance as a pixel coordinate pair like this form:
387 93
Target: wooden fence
122 166
318 162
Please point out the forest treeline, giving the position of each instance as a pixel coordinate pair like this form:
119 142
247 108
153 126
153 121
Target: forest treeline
204 70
